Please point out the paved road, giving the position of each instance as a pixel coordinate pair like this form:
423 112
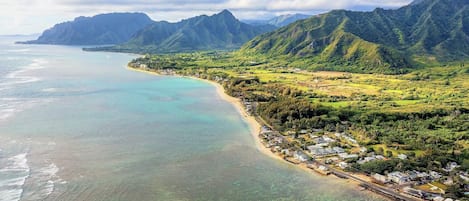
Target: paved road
383 190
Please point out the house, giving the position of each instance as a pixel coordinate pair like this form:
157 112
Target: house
451 166
435 175
286 152
343 165
402 156
464 176
313 136
379 178
338 150
328 139
366 159
276 149
398 177
380 157
448 181
363 150
345 156
438 198
299 155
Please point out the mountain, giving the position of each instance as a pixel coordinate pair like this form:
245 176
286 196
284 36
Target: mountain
112 28
284 20
219 31
377 41
279 21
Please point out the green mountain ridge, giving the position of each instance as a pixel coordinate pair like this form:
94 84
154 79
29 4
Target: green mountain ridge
217 32
103 29
377 41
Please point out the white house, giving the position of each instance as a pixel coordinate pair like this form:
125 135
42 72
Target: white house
299 155
380 178
345 156
343 165
398 177
402 156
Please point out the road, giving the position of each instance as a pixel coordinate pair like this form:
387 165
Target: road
371 186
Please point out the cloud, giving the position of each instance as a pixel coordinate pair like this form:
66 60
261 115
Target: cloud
28 16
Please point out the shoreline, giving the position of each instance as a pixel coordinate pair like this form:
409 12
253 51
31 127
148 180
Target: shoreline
254 126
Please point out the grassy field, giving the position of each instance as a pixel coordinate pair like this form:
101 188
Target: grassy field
432 88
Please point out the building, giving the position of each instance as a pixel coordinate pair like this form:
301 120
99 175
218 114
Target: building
286 152
402 156
345 156
338 150
378 178
435 175
399 177
451 166
343 165
299 155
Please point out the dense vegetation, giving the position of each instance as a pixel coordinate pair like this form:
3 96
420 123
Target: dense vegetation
385 41
217 32
103 29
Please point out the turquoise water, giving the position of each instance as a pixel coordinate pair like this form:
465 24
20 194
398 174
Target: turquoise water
79 126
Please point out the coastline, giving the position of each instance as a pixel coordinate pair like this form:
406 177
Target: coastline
254 126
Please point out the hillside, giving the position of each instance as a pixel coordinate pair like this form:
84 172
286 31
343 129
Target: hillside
112 28
217 32
378 41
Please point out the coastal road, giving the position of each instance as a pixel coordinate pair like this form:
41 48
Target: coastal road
371 186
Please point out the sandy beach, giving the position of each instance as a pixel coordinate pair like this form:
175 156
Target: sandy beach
253 124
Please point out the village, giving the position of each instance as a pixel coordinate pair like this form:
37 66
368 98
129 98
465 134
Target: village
335 153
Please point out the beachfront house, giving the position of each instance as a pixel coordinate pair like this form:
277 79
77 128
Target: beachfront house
287 152
301 156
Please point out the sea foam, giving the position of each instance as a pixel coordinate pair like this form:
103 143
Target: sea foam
16 169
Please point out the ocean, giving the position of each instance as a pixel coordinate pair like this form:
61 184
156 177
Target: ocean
78 125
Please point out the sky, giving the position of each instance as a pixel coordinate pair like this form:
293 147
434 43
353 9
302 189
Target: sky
34 16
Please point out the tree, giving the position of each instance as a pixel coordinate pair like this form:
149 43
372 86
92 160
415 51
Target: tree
379 151
389 153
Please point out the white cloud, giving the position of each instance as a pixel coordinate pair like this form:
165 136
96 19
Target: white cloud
32 16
